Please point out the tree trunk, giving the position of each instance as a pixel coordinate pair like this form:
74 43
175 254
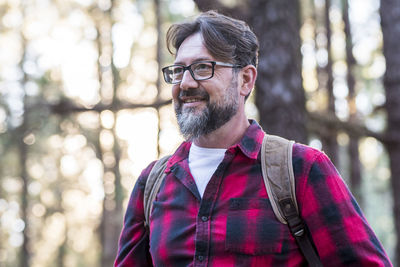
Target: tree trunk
110 226
390 22
279 92
355 165
159 47
238 11
23 155
279 95
329 142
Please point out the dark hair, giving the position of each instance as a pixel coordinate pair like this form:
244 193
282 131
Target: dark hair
226 39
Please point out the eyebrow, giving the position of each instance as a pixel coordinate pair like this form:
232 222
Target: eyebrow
196 60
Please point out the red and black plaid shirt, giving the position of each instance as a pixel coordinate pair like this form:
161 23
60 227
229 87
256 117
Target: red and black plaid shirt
234 224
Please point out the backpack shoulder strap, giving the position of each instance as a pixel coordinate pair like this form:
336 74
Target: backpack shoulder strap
277 171
153 186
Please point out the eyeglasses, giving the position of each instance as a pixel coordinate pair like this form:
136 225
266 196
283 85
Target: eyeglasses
200 71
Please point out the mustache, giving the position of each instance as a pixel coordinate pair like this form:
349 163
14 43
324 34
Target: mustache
194 93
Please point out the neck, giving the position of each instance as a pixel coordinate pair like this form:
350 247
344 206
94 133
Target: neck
227 135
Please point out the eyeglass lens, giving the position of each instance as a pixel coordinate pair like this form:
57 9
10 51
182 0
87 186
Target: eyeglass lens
199 71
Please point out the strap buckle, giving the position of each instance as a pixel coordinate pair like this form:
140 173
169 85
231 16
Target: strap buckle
293 219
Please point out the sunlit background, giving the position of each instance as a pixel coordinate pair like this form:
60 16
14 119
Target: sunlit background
83 110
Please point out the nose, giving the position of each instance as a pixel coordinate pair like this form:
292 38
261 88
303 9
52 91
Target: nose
188 81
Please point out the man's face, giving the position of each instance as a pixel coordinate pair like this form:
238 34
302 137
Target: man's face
203 106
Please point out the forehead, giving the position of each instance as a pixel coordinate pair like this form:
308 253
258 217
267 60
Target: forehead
192 49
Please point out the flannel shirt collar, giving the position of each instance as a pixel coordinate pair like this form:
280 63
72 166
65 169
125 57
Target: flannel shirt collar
251 142
249 145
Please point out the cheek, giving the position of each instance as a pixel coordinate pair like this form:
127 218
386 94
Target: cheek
175 91
218 91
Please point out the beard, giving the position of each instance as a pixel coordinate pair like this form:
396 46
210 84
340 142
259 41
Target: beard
194 123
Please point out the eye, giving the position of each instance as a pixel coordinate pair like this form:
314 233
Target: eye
202 67
177 70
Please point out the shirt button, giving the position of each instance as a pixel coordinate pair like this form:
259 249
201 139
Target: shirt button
200 257
204 218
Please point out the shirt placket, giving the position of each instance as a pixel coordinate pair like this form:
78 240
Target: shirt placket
203 223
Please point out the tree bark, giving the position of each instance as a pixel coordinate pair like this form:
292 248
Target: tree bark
279 92
329 143
355 165
157 9
23 155
238 11
110 225
390 22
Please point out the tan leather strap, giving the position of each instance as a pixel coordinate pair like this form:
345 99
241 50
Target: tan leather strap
153 186
277 171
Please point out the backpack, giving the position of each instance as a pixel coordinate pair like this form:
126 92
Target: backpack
277 172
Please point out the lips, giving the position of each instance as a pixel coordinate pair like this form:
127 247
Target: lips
191 100
193 96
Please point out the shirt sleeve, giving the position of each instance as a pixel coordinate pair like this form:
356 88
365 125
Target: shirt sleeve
337 225
133 247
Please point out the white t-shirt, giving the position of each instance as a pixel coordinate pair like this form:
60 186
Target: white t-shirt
202 163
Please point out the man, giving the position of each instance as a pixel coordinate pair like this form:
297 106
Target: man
212 208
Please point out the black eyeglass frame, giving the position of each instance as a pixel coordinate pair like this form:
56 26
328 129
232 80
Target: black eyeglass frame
189 68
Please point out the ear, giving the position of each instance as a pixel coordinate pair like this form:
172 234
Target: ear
248 78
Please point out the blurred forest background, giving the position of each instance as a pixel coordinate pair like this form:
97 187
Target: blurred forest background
83 109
